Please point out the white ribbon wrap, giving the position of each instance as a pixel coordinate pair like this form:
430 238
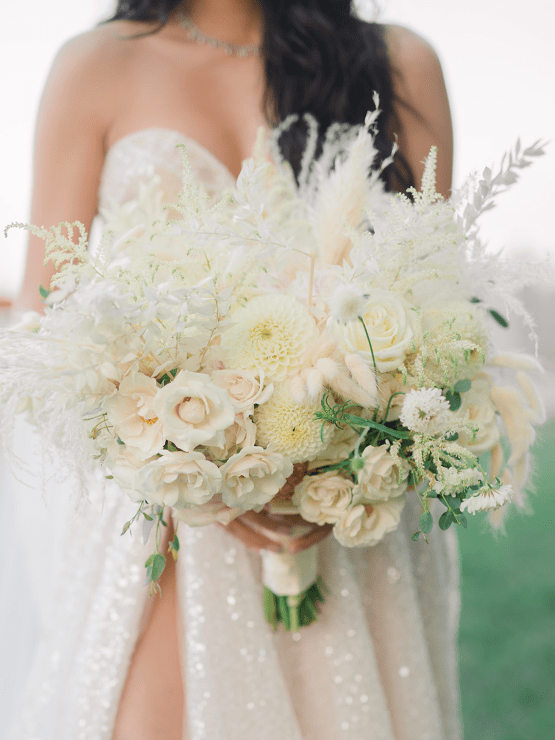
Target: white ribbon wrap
288 574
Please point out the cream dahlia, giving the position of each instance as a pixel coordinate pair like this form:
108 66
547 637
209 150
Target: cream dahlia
270 333
290 427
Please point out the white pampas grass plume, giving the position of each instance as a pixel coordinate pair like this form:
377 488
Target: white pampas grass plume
515 360
297 388
342 197
531 395
362 374
315 383
346 304
328 367
343 386
496 462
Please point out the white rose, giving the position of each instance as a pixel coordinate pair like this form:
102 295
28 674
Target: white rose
131 413
242 433
124 467
193 411
324 498
178 479
381 478
253 476
213 511
478 408
391 326
365 525
243 388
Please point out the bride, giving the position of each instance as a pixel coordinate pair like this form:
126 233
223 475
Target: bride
199 662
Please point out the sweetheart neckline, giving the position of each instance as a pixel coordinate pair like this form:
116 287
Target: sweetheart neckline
188 140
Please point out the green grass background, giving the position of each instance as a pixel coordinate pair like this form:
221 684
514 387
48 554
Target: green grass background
507 630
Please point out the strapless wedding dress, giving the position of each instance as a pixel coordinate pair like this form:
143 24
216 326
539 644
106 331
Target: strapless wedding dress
380 663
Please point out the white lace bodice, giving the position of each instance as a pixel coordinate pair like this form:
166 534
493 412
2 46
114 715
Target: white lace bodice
142 155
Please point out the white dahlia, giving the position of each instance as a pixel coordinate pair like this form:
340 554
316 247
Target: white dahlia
291 427
425 410
270 333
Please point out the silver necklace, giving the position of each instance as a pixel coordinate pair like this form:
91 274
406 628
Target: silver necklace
195 34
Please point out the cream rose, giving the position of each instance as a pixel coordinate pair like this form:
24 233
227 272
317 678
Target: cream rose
391 326
178 479
193 411
243 388
124 467
253 476
478 408
381 478
131 413
242 433
213 511
366 525
324 498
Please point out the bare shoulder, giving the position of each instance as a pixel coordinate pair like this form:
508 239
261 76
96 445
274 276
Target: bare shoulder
422 116
415 64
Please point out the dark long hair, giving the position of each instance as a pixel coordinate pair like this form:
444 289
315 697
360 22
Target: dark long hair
319 59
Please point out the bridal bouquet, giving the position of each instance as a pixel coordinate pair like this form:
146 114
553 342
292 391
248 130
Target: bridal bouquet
312 345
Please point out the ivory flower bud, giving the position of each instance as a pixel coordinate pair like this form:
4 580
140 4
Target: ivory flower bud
382 477
366 525
243 388
324 498
478 407
213 511
178 479
252 477
193 411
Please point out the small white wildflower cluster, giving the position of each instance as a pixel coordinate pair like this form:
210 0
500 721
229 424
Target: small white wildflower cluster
425 411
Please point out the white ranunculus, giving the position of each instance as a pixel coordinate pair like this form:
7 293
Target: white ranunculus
213 511
478 408
178 479
244 388
131 413
365 525
391 326
323 498
194 411
382 477
252 477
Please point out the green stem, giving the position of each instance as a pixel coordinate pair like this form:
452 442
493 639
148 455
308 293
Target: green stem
370 345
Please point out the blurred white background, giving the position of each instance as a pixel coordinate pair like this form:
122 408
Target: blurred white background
498 59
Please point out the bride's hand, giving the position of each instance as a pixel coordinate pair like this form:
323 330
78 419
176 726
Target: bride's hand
258 531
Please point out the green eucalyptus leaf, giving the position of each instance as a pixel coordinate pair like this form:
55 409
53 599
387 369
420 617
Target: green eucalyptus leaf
158 565
454 400
462 520
150 560
125 527
148 523
452 437
501 320
445 520
463 385
426 522
415 536
44 293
